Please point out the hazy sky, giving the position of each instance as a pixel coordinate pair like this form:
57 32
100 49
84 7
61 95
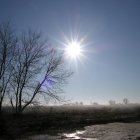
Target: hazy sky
111 66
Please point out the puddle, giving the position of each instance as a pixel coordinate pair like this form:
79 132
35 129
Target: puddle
76 136
65 136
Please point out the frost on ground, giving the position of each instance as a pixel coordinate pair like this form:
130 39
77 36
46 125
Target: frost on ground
111 131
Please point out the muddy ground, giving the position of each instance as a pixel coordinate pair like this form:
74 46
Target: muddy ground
110 131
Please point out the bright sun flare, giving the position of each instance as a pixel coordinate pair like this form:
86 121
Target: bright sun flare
73 50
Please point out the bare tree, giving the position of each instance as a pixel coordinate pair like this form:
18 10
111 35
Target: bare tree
112 102
125 101
81 103
7 45
94 103
38 70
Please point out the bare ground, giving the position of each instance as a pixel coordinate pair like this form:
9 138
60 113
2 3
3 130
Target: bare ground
110 131
113 131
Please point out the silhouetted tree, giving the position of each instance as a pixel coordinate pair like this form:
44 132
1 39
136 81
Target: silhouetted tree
125 101
76 103
112 102
95 103
38 70
7 47
81 103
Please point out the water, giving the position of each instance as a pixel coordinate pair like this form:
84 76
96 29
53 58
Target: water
76 136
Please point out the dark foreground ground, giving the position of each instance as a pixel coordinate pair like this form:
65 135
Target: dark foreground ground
57 119
109 131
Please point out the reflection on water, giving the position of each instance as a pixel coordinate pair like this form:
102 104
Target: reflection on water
77 136
74 135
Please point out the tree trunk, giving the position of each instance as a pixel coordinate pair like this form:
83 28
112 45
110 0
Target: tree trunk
1 104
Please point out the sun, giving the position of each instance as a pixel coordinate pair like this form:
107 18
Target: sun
73 50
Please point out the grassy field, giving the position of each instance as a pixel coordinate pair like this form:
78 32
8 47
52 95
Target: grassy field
56 119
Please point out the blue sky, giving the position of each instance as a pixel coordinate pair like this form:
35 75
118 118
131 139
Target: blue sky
111 66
